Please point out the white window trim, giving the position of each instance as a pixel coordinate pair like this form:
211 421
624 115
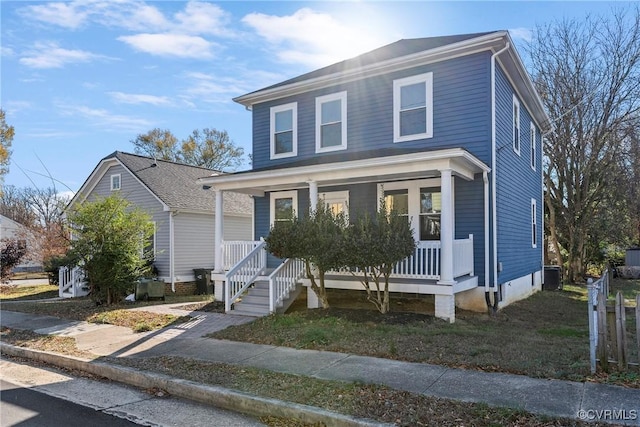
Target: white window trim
534 223
533 151
293 195
294 117
336 196
413 192
342 96
515 124
397 86
119 176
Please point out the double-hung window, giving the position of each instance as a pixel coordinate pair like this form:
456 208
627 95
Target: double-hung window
430 209
413 108
284 130
533 146
516 125
283 206
331 122
115 182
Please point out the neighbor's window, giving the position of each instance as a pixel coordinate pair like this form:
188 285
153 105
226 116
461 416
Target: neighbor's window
534 225
284 130
149 245
516 125
533 146
430 209
413 108
283 206
331 122
115 182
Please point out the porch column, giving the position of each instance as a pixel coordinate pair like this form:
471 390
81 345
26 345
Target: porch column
446 229
219 221
313 195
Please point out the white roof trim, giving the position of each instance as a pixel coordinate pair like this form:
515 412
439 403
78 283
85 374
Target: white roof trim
449 51
403 166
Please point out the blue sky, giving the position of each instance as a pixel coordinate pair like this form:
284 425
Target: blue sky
80 79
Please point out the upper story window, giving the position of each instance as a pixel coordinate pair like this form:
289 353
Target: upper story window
532 132
331 122
283 206
413 108
115 182
284 130
516 125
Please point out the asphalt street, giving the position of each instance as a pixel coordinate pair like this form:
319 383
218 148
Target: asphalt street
35 396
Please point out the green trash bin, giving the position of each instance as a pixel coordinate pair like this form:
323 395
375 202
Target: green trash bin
203 281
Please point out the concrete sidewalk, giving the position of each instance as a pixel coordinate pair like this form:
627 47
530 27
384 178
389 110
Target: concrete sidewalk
586 401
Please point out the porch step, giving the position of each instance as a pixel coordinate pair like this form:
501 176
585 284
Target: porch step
256 301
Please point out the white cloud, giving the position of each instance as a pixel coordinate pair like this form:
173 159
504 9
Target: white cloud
67 15
521 33
6 51
104 118
212 89
312 38
136 98
13 107
179 45
50 55
202 18
134 16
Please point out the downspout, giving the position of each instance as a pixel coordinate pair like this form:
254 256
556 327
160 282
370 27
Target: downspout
494 166
171 252
487 276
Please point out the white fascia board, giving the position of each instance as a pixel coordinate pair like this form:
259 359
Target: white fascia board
461 162
442 53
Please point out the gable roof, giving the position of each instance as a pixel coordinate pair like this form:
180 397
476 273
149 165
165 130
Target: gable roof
394 50
173 184
408 53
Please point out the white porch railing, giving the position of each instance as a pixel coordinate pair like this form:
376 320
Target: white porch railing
71 282
283 280
424 263
244 273
463 257
233 251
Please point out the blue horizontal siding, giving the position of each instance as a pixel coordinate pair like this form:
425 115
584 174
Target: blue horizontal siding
461 92
516 185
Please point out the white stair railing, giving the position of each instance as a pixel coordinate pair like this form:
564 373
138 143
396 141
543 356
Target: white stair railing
233 251
244 273
283 280
71 281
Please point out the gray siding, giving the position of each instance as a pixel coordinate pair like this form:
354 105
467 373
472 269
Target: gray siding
516 185
193 244
195 239
136 193
461 91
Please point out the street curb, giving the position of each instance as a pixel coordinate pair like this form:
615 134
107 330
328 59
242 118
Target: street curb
210 395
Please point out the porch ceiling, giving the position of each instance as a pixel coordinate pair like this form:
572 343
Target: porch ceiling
380 169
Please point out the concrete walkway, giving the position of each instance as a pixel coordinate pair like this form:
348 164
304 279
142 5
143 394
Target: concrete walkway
587 401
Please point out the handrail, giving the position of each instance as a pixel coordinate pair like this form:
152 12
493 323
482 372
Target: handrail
70 278
243 274
282 280
234 251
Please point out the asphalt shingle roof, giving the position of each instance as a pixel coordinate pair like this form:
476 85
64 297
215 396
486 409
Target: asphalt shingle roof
396 49
176 184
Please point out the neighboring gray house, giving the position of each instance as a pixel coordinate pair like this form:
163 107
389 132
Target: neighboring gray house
183 212
12 230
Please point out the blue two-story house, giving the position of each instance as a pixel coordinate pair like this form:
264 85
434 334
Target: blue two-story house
446 129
